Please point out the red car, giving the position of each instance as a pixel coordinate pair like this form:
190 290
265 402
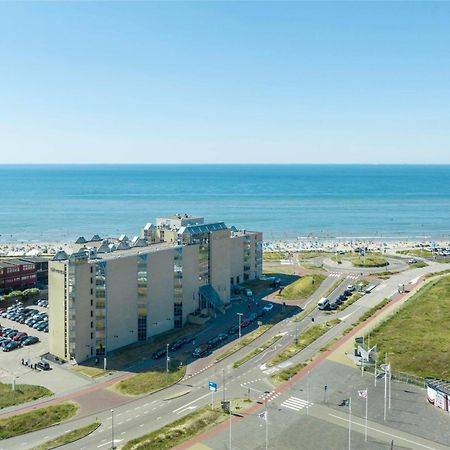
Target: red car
18 336
245 323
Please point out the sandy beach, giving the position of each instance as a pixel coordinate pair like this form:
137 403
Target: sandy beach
17 249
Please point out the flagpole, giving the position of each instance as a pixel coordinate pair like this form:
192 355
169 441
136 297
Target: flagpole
385 388
350 423
307 393
367 399
229 436
389 386
267 426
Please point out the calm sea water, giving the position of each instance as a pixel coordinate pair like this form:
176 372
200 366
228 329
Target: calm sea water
63 202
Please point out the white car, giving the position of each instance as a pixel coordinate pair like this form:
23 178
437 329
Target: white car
412 261
268 307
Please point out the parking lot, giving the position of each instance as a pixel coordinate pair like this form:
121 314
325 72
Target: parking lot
11 361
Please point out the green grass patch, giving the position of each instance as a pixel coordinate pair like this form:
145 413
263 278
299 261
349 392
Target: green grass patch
302 288
273 256
435 274
23 393
147 382
68 438
418 265
352 299
304 339
422 253
370 260
244 341
36 419
369 313
306 254
257 351
287 374
416 337
270 268
182 429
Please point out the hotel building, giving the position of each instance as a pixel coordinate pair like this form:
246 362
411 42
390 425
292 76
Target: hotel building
111 293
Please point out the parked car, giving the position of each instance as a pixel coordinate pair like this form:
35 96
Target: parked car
245 323
176 345
233 330
188 339
248 293
43 365
332 306
252 317
222 337
11 345
30 340
159 353
268 307
200 351
212 343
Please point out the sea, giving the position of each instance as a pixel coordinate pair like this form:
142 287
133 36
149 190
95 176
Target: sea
54 203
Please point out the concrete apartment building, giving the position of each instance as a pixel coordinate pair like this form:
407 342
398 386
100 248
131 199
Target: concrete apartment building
110 293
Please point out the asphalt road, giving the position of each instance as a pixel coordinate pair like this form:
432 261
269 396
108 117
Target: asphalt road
148 413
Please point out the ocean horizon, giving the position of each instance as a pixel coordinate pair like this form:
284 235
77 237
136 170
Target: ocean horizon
54 202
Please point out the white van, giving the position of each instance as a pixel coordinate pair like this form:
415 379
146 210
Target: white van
323 303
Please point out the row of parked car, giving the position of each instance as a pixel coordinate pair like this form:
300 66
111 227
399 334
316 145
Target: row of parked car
174 346
28 316
214 342
41 302
204 349
11 339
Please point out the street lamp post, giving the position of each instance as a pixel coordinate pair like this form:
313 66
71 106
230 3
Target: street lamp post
112 430
240 316
167 358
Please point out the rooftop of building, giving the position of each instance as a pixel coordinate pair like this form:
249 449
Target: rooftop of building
6 264
92 252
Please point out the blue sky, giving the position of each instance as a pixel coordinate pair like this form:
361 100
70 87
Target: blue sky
225 82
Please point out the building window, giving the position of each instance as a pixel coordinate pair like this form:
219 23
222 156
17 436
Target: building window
142 328
92 325
142 291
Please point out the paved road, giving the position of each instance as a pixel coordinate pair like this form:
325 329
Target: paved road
142 415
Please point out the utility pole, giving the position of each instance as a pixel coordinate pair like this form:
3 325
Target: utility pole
223 384
240 315
167 358
112 430
350 423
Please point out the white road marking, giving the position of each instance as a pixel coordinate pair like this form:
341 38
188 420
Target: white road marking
158 418
382 432
190 403
108 443
295 403
186 409
141 425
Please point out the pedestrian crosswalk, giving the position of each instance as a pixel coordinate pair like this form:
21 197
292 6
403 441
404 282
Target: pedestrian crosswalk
296 404
352 277
340 274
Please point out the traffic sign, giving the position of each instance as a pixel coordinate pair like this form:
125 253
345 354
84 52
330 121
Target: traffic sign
212 386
